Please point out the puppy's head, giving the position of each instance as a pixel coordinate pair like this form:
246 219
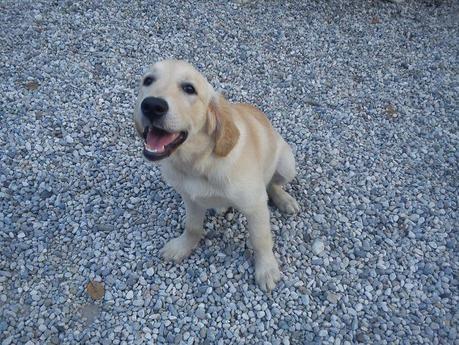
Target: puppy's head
175 103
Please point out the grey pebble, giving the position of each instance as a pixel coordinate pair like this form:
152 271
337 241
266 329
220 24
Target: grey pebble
200 313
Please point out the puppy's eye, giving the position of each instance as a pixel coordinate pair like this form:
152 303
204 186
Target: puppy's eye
189 89
148 81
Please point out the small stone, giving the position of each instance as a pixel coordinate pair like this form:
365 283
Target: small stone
305 299
138 302
150 272
3 326
132 279
130 294
283 325
318 246
319 218
332 297
200 313
69 139
8 340
203 277
360 337
158 305
46 194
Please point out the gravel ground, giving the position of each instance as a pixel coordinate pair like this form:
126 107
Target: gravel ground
365 92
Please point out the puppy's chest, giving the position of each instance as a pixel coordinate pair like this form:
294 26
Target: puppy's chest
199 189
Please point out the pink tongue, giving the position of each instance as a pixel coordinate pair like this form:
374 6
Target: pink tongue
157 140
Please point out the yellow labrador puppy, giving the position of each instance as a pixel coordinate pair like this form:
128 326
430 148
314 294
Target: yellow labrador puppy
216 154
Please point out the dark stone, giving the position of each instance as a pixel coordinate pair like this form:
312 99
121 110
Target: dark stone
132 279
360 337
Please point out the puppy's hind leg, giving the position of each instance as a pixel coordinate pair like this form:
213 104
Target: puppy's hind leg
181 247
285 172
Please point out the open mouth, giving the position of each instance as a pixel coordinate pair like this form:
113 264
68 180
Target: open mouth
160 144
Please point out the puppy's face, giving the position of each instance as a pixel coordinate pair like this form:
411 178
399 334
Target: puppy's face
171 106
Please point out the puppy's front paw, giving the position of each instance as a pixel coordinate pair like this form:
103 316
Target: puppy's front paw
179 248
267 272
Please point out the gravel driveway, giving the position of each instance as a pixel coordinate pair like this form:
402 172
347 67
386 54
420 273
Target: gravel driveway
365 91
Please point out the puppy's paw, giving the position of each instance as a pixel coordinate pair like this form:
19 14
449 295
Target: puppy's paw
218 211
179 248
287 204
267 273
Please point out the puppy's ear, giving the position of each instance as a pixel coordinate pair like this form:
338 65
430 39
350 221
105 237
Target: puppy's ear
221 126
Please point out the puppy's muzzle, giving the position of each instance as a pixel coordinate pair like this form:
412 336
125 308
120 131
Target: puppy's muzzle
153 108
159 142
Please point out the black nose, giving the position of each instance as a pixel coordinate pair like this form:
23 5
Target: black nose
154 107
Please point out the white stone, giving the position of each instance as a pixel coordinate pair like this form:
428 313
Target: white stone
318 246
150 272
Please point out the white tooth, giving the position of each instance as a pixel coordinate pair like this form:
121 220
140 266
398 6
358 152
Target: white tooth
151 150
154 150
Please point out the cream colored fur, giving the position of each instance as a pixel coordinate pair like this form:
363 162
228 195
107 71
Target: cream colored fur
232 158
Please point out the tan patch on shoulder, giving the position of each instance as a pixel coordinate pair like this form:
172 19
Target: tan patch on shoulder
249 109
260 132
